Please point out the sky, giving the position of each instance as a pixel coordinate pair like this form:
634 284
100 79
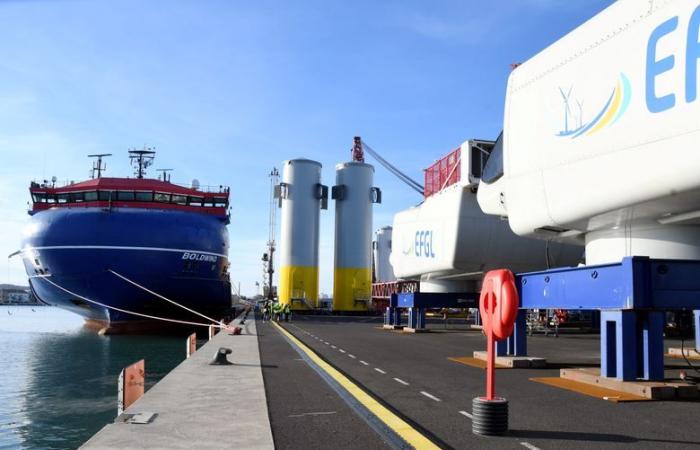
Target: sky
226 90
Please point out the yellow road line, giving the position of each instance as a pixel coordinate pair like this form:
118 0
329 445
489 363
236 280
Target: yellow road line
391 420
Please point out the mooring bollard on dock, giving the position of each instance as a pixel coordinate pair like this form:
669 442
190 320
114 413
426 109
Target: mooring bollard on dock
131 385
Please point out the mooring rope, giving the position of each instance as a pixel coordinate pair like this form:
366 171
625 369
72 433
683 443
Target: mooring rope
184 322
161 296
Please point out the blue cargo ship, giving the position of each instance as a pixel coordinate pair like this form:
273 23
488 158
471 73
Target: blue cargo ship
165 237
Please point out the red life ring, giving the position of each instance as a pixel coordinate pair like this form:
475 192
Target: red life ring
498 303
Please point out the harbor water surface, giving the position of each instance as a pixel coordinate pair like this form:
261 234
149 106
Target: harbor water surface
58 382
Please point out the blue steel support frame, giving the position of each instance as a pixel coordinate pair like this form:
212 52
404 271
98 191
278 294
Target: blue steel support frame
416 318
632 296
392 314
418 302
696 316
516 344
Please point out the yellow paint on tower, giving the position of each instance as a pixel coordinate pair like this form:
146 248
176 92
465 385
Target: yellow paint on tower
298 282
352 288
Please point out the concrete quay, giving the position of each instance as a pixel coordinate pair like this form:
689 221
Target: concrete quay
201 406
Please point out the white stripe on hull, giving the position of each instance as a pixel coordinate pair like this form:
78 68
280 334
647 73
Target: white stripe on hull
119 247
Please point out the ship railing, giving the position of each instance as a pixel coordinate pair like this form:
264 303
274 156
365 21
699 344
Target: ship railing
54 184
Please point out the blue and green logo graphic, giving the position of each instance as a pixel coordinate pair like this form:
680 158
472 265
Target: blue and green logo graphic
614 108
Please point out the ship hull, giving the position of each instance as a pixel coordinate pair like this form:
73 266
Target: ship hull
179 255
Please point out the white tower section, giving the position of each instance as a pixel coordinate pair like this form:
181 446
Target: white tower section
301 197
354 196
381 251
621 173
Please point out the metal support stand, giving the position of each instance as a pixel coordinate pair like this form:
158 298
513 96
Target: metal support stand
416 318
392 317
696 322
631 344
477 317
516 344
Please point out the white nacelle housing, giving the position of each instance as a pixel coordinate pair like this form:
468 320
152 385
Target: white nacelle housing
601 135
447 239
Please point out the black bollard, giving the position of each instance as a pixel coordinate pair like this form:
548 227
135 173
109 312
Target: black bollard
219 358
489 417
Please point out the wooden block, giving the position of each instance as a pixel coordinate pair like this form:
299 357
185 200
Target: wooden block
415 330
590 389
657 390
515 362
690 353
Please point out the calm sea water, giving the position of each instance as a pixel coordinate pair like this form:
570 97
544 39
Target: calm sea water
58 382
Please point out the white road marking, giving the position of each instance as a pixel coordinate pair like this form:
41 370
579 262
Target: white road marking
333 346
320 413
529 446
430 396
466 414
351 355
364 362
399 380
380 370
327 343
341 350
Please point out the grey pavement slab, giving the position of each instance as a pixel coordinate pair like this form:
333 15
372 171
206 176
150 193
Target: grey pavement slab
201 406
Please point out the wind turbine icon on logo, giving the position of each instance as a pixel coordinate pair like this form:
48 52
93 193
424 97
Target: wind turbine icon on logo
567 109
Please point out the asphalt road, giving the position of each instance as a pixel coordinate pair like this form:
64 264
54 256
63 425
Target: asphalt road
305 412
412 375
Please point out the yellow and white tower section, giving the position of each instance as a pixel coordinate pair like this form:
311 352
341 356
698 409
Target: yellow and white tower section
354 196
301 197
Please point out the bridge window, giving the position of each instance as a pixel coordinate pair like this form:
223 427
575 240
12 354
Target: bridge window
77 197
105 196
63 198
39 197
125 196
195 201
91 196
220 202
179 199
144 196
162 197
208 202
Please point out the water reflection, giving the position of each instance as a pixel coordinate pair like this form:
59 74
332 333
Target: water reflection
58 388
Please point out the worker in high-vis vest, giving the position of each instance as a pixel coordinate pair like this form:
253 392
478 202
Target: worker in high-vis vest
277 310
287 312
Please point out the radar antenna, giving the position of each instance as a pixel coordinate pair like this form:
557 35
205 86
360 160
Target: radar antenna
97 166
166 175
141 159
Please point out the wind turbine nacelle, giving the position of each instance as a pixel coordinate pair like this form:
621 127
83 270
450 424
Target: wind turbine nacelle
447 237
624 153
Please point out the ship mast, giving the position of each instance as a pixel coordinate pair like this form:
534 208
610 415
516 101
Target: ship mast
141 160
166 175
97 166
